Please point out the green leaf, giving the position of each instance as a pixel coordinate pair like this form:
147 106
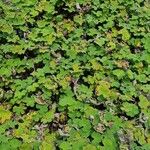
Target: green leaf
119 73
19 109
83 92
49 116
146 42
142 78
130 109
66 101
109 143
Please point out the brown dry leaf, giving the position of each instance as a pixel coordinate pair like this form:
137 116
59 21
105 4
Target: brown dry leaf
100 128
122 64
40 100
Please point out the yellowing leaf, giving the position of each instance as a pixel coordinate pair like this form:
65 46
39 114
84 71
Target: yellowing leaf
48 142
89 147
96 65
112 45
17 49
144 103
50 39
64 83
103 89
100 41
4 114
53 64
68 25
78 19
139 136
76 67
7 28
125 34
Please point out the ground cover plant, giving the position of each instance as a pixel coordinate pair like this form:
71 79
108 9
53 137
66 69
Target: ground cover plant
74 75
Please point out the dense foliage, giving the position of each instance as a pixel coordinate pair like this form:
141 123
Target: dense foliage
75 74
